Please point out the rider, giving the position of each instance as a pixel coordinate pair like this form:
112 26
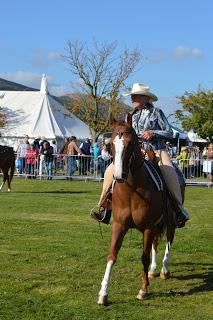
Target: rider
150 124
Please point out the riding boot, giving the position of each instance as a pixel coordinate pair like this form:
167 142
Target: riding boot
102 216
182 216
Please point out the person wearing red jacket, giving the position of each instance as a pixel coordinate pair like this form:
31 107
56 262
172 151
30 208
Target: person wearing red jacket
31 161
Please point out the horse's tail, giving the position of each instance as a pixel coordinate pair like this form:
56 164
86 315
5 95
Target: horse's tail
12 166
161 227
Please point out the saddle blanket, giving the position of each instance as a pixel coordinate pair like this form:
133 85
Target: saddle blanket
153 174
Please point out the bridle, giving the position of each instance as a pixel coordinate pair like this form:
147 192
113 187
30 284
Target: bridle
132 157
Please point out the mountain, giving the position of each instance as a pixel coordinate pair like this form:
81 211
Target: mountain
13 86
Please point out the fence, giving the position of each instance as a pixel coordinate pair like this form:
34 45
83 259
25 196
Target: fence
87 168
63 167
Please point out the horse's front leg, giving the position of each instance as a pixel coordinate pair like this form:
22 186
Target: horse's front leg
148 239
153 268
118 233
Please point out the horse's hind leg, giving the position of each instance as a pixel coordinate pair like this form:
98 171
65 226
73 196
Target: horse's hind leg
1 186
165 273
148 239
5 178
118 233
153 268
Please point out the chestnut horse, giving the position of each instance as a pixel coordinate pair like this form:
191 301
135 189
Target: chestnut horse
7 162
136 202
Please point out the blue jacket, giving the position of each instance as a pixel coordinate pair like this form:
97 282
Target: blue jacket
152 118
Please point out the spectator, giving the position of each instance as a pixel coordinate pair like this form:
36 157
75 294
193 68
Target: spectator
106 159
72 152
21 152
47 151
31 161
55 154
184 160
96 152
37 143
210 158
63 152
86 150
41 153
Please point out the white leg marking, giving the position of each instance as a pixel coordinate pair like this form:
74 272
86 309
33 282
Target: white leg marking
106 279
153 266
1 185
119 147
166 259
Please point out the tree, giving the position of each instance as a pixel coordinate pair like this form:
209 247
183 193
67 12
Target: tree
197 112
102 76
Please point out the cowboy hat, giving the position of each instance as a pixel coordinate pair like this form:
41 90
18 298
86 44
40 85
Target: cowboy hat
142 89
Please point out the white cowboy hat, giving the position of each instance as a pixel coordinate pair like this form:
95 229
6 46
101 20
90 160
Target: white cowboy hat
142 89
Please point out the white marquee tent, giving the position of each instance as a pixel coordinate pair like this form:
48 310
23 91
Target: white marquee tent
193 137
37 114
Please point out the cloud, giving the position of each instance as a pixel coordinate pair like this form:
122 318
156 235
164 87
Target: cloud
34 80
26 78
182 53
155 55
43 58
158 55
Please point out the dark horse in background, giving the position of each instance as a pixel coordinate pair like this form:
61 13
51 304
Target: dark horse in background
136 203
7 163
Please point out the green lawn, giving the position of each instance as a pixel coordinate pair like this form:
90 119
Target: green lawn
52 258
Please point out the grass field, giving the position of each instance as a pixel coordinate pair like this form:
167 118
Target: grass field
52 258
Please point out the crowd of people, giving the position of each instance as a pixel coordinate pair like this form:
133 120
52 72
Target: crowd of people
42 157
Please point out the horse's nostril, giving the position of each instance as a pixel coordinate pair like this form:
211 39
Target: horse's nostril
124 176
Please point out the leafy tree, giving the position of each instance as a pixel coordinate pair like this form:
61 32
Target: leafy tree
101 77
197 112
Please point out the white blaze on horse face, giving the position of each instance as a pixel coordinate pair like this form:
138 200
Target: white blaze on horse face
119 148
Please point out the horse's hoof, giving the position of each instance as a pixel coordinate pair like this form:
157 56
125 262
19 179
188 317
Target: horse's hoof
102 300
165 275
152 275
141 294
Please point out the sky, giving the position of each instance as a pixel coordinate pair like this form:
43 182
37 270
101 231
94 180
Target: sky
175 39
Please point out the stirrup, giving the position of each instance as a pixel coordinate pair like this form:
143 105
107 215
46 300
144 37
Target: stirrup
101 216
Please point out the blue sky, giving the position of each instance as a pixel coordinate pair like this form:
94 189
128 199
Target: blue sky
175 38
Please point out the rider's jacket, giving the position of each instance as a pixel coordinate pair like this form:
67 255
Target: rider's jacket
152 118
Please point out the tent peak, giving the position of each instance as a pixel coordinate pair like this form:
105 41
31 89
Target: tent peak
43 88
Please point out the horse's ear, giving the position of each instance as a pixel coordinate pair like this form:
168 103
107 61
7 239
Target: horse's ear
129 119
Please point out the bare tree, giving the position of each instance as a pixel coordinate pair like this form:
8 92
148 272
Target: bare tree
101 75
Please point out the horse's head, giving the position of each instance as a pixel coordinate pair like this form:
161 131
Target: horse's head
123 143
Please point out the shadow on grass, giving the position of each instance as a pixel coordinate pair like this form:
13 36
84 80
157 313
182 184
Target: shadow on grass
206 286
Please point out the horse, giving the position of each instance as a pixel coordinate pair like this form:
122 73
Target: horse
136 202
7 162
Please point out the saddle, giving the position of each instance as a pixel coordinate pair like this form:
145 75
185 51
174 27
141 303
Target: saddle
151 164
